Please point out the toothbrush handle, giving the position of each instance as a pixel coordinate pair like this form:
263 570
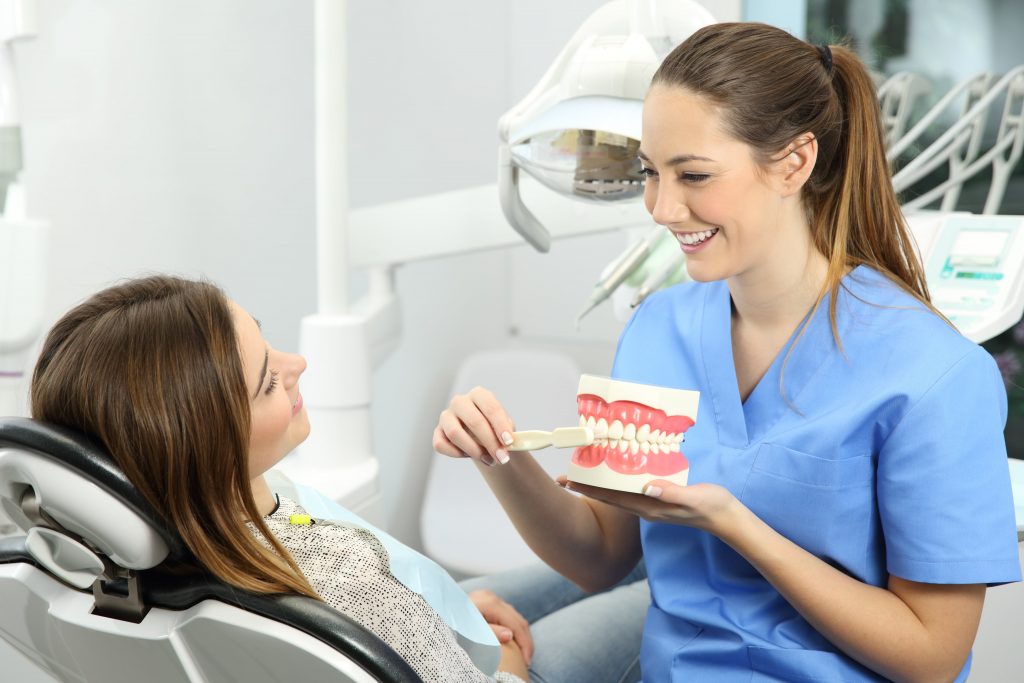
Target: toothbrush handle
532 440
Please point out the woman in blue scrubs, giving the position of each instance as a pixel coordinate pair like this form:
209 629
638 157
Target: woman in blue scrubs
849 496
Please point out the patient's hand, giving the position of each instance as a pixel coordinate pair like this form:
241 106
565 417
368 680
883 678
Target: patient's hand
508 624
512 660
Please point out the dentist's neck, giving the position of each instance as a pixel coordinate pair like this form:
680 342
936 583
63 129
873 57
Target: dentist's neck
781 289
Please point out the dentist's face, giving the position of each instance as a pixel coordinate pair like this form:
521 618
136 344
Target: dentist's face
279 420
705 186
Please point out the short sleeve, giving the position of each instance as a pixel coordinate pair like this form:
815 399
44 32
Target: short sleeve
944 494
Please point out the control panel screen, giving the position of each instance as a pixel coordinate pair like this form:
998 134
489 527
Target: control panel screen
978 247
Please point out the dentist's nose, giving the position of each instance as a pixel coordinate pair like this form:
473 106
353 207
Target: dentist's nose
666 205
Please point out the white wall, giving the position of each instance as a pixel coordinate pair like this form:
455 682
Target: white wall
174 136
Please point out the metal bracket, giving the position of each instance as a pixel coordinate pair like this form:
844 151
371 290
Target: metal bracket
107 603
114 605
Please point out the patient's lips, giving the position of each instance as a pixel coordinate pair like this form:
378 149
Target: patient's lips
631 438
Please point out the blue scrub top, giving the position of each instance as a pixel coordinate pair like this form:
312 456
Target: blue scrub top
884 457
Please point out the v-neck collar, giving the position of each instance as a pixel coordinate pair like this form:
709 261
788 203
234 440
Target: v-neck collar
739 423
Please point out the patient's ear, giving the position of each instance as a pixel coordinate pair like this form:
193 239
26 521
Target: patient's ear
793 168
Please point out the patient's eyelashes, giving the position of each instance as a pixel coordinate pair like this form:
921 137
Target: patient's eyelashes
273 382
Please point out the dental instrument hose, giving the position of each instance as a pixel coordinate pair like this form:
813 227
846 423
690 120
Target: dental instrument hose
629 262
666 271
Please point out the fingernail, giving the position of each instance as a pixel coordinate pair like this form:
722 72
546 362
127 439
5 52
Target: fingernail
502 455
487 460
507 635
507 438
653 491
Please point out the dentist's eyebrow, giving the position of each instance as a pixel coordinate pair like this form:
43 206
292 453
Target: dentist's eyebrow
266 359
676 160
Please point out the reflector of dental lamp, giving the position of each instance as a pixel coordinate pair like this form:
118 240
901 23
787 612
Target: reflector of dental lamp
578 130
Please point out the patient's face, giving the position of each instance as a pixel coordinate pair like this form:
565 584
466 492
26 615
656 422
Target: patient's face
279 420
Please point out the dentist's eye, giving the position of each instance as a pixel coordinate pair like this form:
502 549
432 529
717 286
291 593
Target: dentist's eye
273 382
648 172
694 178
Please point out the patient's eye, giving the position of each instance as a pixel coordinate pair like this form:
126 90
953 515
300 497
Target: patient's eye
273 382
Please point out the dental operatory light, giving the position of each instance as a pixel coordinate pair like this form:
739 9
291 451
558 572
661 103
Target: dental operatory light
578 131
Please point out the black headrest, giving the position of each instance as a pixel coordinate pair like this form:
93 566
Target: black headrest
84 455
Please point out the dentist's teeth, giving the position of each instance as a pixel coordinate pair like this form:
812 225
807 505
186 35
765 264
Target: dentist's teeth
601 429
615 431
592 423
643 434
691 238
583 421
656 436
645 447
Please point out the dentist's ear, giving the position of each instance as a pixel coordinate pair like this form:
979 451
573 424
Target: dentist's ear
795 168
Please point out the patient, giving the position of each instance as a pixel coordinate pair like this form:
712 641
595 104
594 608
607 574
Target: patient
177 383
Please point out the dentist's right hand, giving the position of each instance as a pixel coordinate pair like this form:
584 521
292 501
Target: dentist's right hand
475 425
591 543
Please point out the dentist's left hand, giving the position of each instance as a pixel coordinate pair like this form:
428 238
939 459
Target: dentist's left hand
705 506
475 425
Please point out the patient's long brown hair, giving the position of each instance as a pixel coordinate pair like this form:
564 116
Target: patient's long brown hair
151 368
771 87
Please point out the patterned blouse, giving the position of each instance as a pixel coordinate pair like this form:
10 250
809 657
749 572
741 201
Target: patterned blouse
348 568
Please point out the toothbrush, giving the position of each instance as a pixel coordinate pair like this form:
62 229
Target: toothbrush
563 437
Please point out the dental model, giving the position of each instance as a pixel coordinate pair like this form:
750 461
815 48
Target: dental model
638 429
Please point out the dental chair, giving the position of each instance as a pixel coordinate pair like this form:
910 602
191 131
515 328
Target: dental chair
83 600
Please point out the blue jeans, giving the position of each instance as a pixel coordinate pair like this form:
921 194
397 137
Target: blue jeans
578 637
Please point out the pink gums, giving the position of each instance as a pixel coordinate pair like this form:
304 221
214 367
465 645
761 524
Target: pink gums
627 462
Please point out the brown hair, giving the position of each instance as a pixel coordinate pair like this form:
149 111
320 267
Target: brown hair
151 368
771 87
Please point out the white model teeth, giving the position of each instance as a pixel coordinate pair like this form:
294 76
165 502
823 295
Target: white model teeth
632 438
643 435
691 238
